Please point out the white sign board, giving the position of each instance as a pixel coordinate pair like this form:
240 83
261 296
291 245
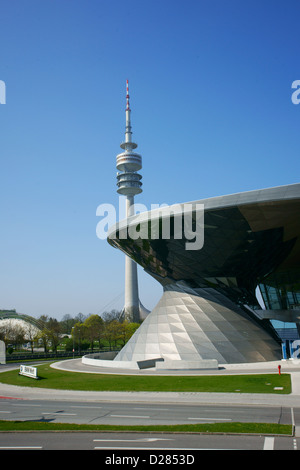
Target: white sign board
2 353
29 371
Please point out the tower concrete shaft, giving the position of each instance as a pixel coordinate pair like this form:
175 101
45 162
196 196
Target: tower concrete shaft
132 302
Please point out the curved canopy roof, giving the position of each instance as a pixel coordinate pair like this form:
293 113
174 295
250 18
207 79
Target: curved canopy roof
250 238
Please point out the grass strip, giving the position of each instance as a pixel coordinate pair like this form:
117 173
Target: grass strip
63 380
239 428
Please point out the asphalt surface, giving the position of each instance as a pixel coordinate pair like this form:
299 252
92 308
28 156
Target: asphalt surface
149 448
290 366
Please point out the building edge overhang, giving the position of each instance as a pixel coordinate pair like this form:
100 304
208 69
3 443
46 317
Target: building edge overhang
272 194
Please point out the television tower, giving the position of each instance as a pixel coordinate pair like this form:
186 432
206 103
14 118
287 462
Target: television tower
129 184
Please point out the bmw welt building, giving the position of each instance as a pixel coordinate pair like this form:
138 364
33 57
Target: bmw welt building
209 313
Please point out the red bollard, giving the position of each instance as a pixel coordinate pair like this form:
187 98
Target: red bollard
279 369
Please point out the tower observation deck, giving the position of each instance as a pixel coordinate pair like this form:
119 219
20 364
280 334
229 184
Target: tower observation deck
129 162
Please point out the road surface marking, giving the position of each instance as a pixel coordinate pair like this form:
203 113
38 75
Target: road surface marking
146 439
158 448
24 404
87 407
153 409
10 398
269 443
212 419
21 447
128 416
295 444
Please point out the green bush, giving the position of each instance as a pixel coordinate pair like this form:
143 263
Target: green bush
68 343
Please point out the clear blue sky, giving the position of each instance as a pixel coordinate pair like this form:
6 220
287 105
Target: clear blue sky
210 86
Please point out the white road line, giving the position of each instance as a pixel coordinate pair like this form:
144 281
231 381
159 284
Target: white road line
59 414
153 409
211 419
128 416
295 444
5 411
158 448
146 439
21 447
87 407
25 404
269 443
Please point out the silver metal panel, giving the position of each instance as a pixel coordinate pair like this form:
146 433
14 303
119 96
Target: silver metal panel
221 333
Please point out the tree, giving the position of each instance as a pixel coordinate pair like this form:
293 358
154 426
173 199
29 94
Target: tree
67 323
43 319
54 332
78 334
112 315
12 333
112 332
18 335
93 329
43 336
31 334
126 330
50 333
80 318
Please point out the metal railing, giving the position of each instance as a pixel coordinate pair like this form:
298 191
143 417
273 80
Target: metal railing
49 355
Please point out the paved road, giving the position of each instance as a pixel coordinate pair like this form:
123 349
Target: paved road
155 443
122 413
151 408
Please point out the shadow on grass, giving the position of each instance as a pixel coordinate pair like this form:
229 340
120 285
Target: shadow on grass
42 420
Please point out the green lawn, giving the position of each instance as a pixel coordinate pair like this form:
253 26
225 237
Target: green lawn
53 378
249 428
